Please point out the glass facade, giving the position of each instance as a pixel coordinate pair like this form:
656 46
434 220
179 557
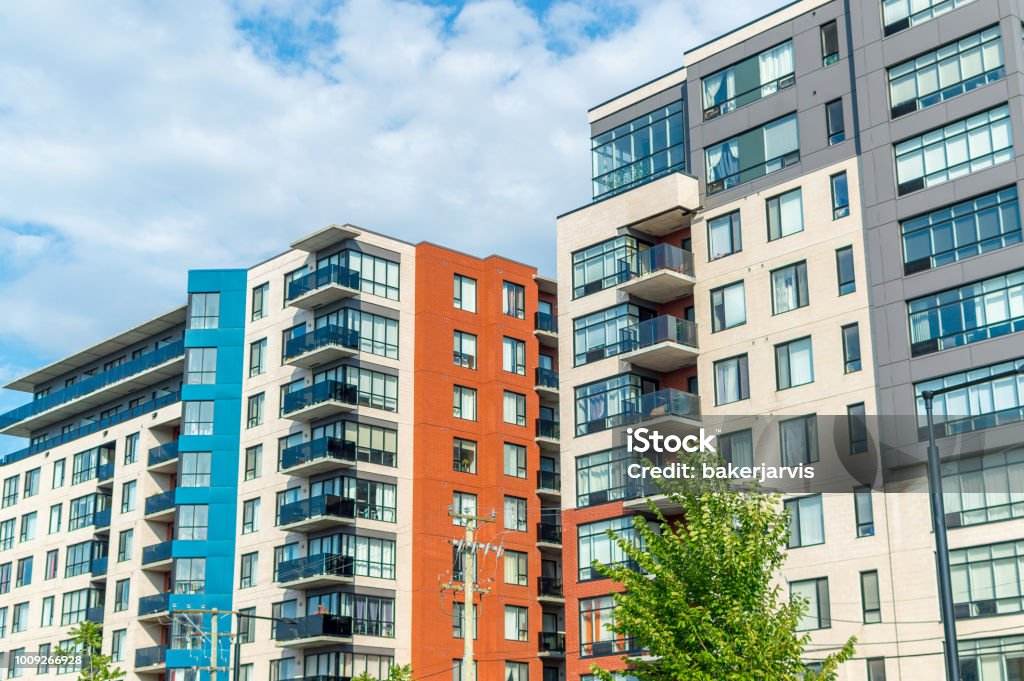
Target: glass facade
987 405
639 151
609 403
984 489
605 333
987 580
603 265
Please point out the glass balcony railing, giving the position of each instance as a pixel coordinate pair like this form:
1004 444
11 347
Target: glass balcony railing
151 656
157 552
325 505
95 614
549 480
542 321
156 603
659 330
324 391
547 428
319 338
332 274
325 448
549 533
552 642
314 626
94 383
105 471
550 586
95 426
160 502
98 567
101 519
667 402
655 259
167 452
547 378
336 565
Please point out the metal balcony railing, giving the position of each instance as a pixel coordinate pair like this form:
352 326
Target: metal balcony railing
549 533
156 603
551 642
547 428
158 455
550 586
542 321
332 274
549 480
547 378
655 259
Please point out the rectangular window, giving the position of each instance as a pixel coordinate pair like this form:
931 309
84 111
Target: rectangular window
840 196
724 235
603 265
124 545
250 516
253 462
815 592
732 380
463 455
513 356
248 563
121 589
737 448
602 477
845 270
516 623
514 408
47 614
458 612
258 357
946 72
189 575
254 410
260 297
594 544
118 645
201 366
870 597
605 333
987 580
851 348
376 276
131 448
7 534
638 151
464 403
806 521
75 604
56 511
10 496
515 514
513 300
876 669
5 577
728 307
377 334
516 568
52 560
834 124
968 314
28 527
799 440
19 621
246 625
748 81
464 503
194 469
785 214
465 350
203 310
864 512
373 388
58 474
610 403
856 423
465 293
900 14
789 288
515 460
32 482
24 572
128 496
198 418
752 154
597 617
956 150
192 521
829 43
983 489
794 363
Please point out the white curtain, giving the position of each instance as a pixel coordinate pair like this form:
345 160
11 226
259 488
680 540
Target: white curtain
774 64
791 213
719 89
800 362
727 382
735 308
784 290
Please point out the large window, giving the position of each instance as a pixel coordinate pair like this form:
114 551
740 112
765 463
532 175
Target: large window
465 293
818 613
752 154
194 469
946 72
513 355
984 489
794 363
75 604
601 477
515 514
517 626
374 500
378 335
193 521
799 440
373 388
189 575
728 307
514 408
376 275
732 380
604 333
748 81
374 444
900 14
789 288
638 151
975 312
961 231
986 405
515 460
464 403
603 265
724 235
987 580
597 616
464 354
609 403
596 546
198 418
200 366
203 310
806 521
785 214
956 150
737 448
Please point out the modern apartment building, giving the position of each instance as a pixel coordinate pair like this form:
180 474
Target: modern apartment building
286 449
816 216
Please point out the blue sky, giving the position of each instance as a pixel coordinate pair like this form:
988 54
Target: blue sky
153 138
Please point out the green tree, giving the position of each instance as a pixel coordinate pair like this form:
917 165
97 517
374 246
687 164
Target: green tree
395 673
701 596
88 641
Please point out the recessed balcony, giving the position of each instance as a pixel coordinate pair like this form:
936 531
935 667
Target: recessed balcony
549 590
549 537
98 568
659 274
318 456
326 285
155 607
104 387
160 507
551 644
546 384
547 434
318 513
661 344
545 328
320 400
320 346
164 458
316 572
95 614
549 485
314 631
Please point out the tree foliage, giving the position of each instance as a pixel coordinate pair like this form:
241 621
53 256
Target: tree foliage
395 673
88 641
701 595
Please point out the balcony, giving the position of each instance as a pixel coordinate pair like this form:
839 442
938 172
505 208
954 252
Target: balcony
105 474
317 513
154 607
157 557
320 346
101 520
151 659
659 274
549 537
545 328
546 383
160 506
153 367
547 434
327 398
327 285
549 484
551 644
549 590
314 631
316 572
98 567
661 344
669 411
95 614
163 459
657 208
318 456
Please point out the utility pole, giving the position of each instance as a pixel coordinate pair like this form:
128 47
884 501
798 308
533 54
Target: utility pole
214 634
469 586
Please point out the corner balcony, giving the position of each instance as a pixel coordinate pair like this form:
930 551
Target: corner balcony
316 572
545 328
314 631
549 485
160 507
327 398
547 434
546 384
157 557
657 207
661 344
320 346
318 513
549 537
130 377
318 456
327 285
163 459
549 590
659 274
151 660
155 607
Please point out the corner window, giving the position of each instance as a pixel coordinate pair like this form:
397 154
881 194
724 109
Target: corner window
748 81
724 235
638 151
785 214
728 307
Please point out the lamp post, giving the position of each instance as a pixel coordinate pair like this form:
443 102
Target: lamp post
939 522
